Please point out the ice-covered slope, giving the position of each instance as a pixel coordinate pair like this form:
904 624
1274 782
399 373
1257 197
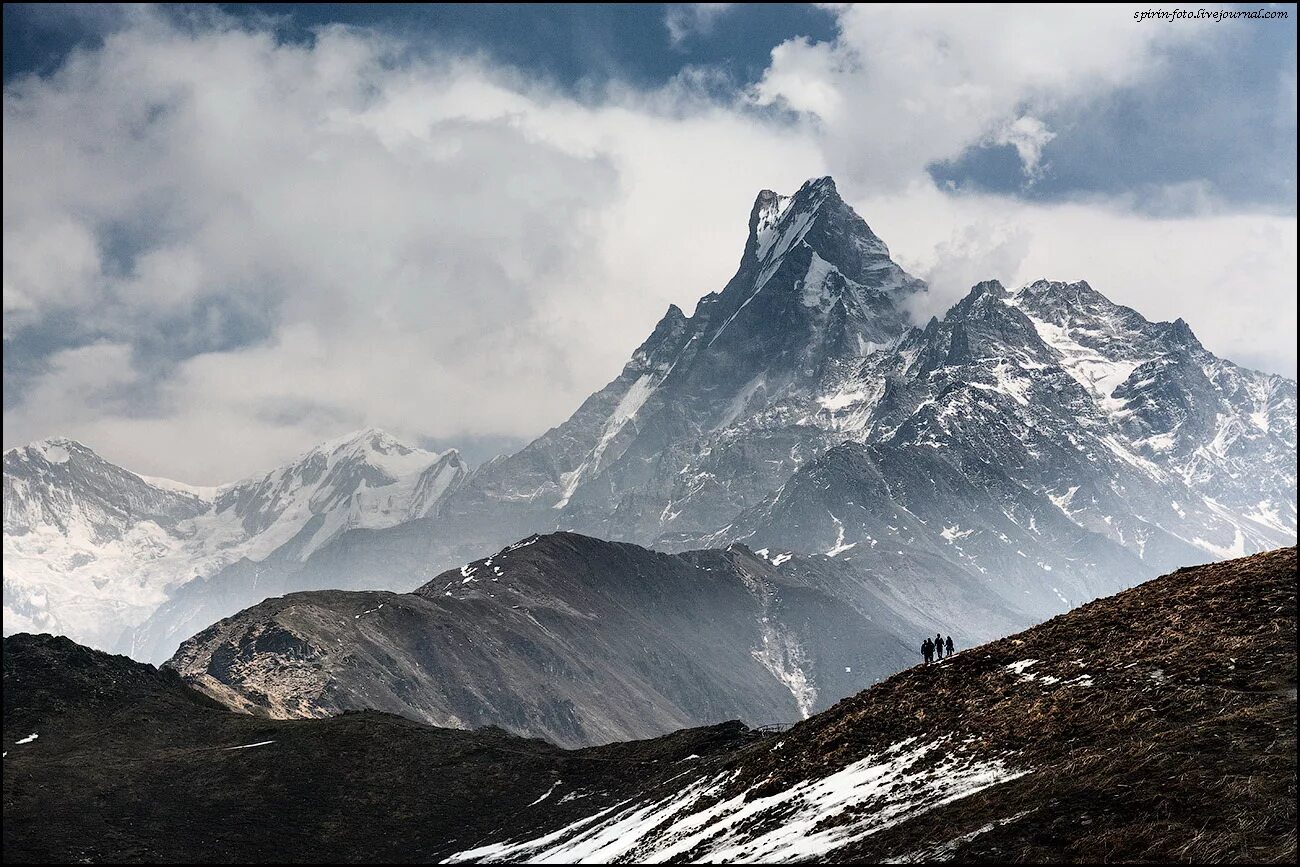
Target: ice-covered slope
91 549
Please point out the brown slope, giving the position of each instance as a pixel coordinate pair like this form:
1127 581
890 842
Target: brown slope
1180 746
1155 725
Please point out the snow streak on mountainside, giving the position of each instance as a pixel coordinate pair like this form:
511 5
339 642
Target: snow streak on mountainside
91 549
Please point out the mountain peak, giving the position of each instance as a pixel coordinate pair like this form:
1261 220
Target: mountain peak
1180 333
989 287
982 299
775 217
824 186
1063 298
368 440
53 450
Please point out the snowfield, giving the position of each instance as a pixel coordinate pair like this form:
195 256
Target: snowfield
804 822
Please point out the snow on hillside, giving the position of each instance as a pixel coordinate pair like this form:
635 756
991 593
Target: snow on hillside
798 823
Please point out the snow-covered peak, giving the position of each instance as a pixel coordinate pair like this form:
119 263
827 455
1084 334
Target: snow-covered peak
780 222
92 549
374 444
53 450
1101 343
328 476
815 247
767 213
59 485
1060 293
815 292
40 479
331 472
983 298
1089 318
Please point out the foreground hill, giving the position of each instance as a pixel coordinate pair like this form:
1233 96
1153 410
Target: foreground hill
1158 724
128 763
580 641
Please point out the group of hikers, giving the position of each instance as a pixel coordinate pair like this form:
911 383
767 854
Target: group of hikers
936 647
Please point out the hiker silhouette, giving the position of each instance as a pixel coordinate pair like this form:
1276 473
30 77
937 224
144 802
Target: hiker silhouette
948 646
938 645
927 650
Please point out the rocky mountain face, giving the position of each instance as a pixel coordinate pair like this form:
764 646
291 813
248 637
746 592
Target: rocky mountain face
1042 443
1050 442
1072 418
91 550
1155 725
569 638
707 417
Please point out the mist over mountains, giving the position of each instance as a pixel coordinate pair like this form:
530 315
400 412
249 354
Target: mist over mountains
1034 448
91 549
685 623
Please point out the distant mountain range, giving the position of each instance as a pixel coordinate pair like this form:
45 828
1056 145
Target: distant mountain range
91 550
1034 448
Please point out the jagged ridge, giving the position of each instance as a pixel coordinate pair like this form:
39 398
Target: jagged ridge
92 549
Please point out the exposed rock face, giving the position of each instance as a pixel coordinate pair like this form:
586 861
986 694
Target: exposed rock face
565 637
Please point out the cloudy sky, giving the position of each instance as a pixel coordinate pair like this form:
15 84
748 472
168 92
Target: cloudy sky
230 233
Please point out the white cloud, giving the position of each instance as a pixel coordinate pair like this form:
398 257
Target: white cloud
269 244
435 246
1028 135
986 249
684 20
904 86
53 262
